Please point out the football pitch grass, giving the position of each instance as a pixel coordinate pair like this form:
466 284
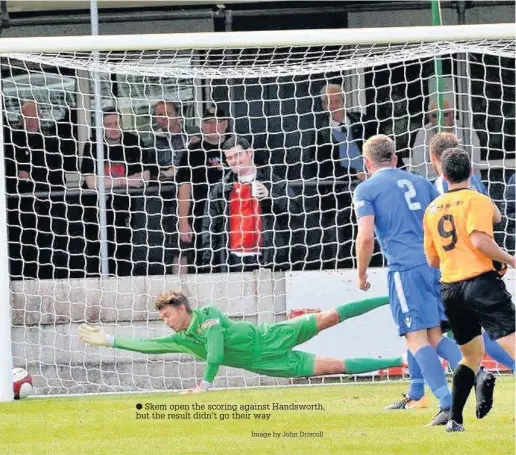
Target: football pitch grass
350 417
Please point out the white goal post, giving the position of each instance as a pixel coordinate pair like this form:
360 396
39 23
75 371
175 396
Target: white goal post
237 40
270 84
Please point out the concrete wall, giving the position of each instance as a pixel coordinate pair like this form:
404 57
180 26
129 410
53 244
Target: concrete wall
46 315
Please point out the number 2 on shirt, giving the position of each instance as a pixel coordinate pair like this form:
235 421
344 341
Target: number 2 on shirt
410 194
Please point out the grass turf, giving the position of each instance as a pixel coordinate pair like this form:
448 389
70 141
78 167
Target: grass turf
352 422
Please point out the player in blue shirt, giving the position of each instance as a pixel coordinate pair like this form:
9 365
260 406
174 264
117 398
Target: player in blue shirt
391 204
415 396
474 182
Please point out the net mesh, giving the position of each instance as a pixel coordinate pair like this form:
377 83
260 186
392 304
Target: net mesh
166 116
262 62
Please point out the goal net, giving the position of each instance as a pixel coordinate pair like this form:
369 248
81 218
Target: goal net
96 230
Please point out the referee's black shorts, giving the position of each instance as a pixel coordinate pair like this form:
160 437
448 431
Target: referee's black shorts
481 301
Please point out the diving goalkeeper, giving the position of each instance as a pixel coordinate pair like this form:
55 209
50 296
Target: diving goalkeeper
210 335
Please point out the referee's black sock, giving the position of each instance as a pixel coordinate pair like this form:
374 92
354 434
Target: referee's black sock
463 380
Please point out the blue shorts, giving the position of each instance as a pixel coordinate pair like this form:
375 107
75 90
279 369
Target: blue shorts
415 299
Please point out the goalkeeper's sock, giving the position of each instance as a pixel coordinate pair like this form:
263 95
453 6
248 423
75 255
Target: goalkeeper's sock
434 375
357 366
417 381
449 351
497 353
353 309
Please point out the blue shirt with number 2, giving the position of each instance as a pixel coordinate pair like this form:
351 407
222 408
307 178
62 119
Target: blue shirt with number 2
398 200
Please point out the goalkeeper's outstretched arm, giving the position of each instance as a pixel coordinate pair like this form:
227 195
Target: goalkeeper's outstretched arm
96 336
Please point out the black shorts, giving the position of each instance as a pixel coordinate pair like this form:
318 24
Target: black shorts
482 301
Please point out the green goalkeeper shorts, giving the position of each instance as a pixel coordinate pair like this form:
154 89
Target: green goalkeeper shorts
291 364
274 355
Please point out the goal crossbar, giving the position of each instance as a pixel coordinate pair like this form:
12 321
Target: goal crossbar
234 40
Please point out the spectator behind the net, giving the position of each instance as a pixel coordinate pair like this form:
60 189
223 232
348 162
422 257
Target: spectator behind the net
252 217
165 147
201 167
419 159
336 154
339 138
33 159
37 225
125 167
169 139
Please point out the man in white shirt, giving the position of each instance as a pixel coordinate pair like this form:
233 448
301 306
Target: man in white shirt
419 160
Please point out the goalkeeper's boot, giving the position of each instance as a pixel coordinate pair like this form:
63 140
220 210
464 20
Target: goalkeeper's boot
454 427
484 388
408 403
441 418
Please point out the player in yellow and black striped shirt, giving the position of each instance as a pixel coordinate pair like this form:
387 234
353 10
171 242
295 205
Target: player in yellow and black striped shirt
458 229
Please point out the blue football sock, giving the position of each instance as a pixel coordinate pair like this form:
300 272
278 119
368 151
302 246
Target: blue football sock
417 382
434 375
449 351
497 353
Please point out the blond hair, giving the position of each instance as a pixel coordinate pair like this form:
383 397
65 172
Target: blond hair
443 141
380 149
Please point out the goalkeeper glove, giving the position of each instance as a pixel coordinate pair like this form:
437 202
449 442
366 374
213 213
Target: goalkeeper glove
94 336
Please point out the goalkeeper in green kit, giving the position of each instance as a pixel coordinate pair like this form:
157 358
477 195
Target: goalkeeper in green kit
210 335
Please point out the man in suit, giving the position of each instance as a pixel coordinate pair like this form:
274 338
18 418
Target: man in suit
339 138
337 156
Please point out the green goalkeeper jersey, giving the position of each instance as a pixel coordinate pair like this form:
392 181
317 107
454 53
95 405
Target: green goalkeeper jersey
266 348
211 336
